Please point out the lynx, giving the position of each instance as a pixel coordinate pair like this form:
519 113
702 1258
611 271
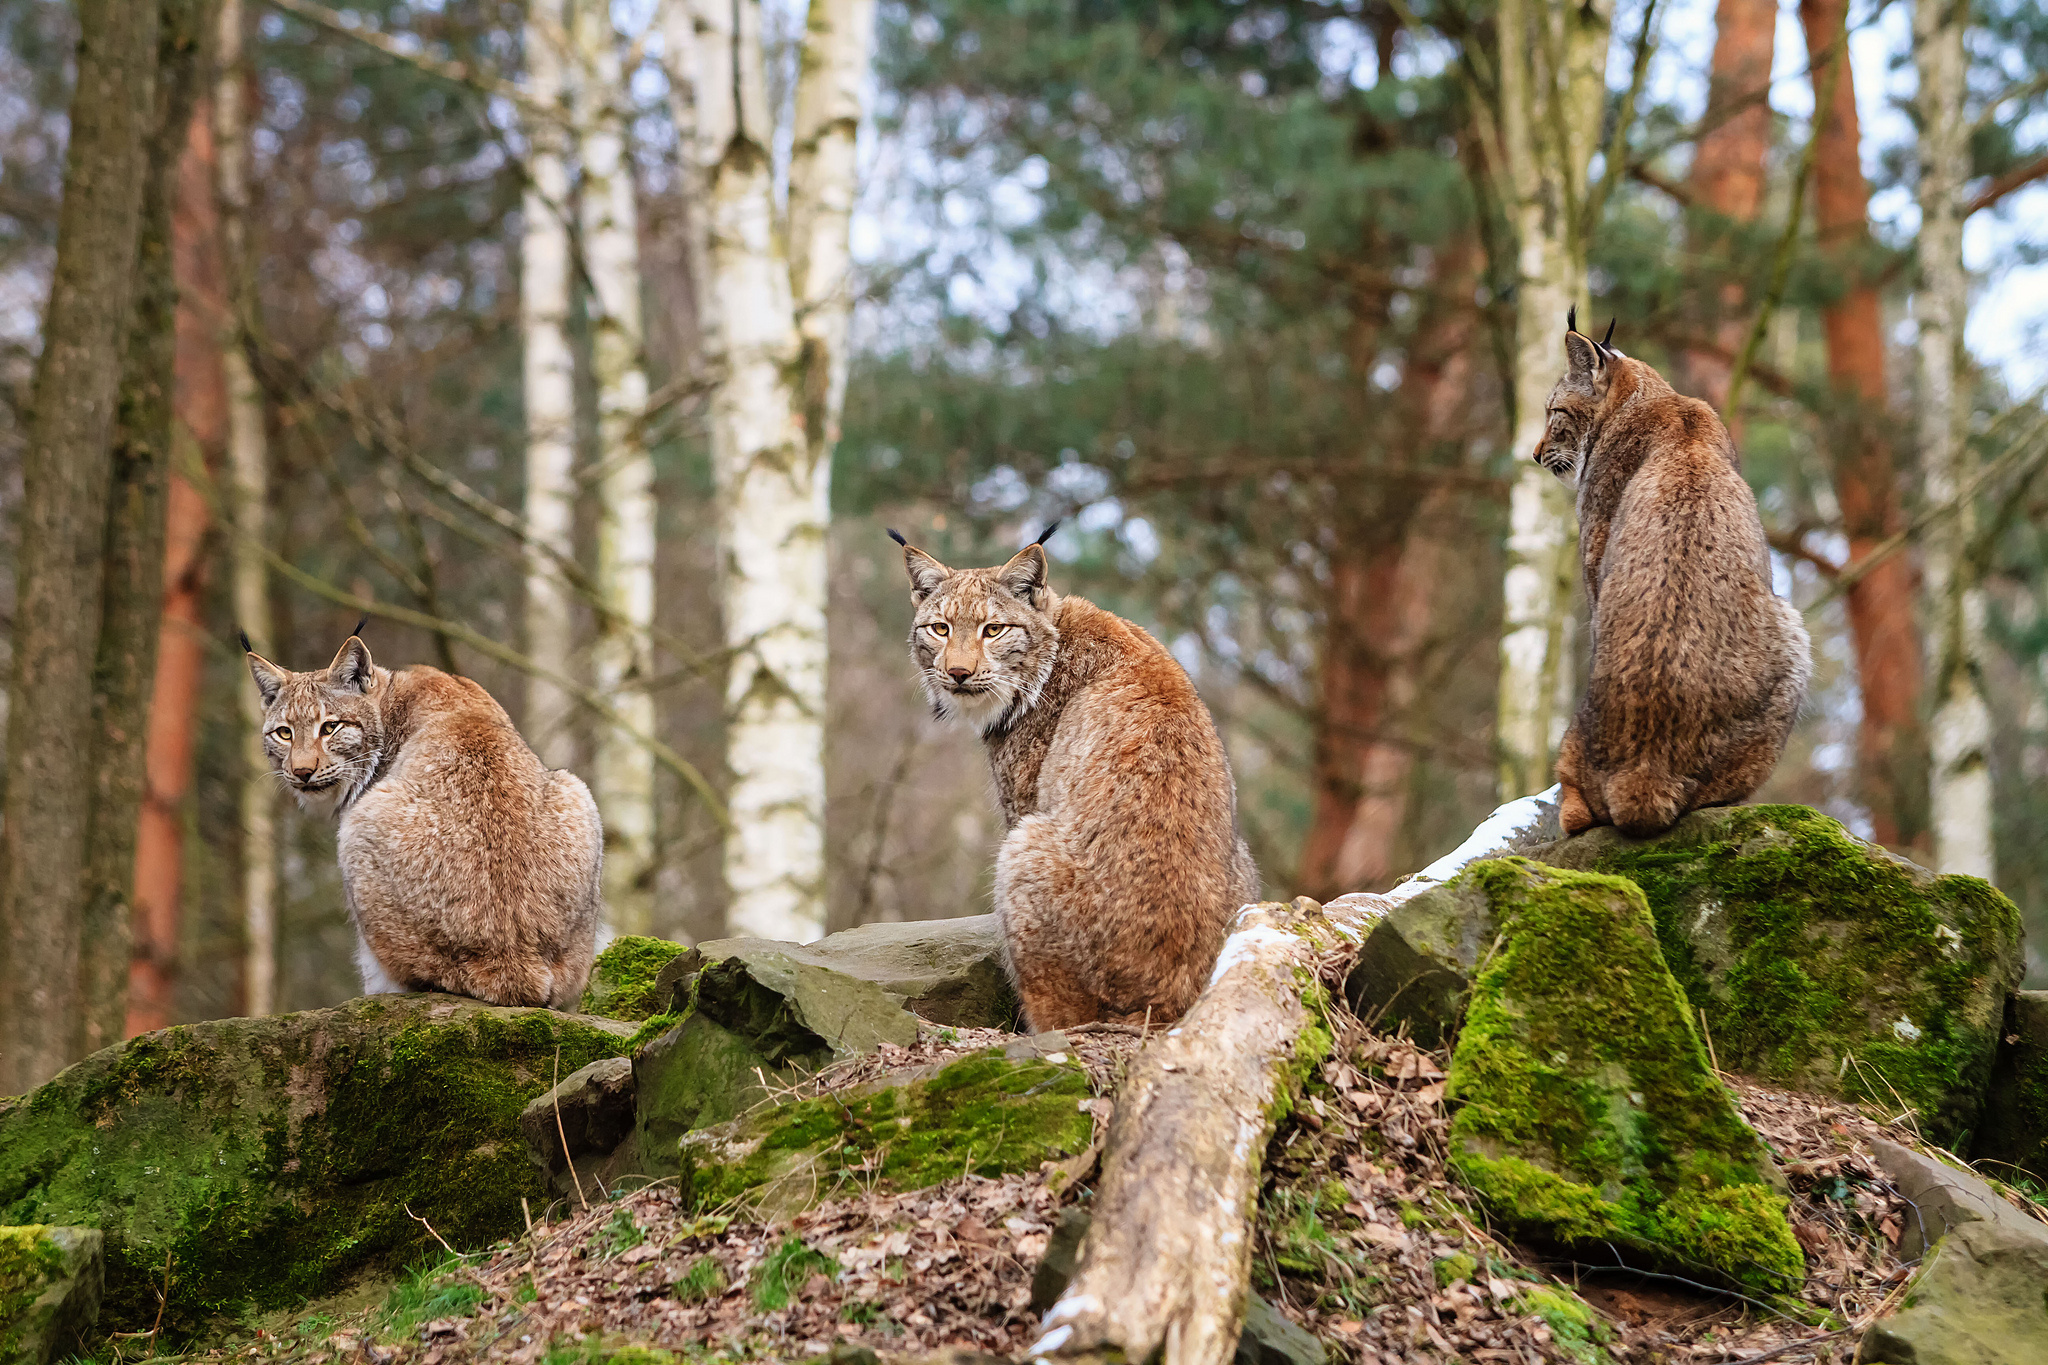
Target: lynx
467 865
1698 667
1122 862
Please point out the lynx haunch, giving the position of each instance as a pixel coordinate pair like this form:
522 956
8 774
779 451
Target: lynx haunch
1698 667
1122 863
467 865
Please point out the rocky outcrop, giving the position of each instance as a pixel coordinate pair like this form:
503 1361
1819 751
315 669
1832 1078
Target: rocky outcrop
2013 1132
575 1129
1587 1114
1978 1300
1824 963
269 1160
1944 1198
50 1283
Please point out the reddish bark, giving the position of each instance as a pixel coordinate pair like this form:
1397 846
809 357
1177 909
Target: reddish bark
1728 170
1890 740
1385 581
200 401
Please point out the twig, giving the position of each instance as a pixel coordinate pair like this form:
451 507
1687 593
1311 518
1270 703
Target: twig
554 1093
1777 1351
526 1212
461 73
430 1230
1708 1034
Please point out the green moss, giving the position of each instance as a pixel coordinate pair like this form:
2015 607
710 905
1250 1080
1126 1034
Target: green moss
1451 1269
985 1114
1587 1112
273 1160
1822 962
1573 1326
622 981
28 1258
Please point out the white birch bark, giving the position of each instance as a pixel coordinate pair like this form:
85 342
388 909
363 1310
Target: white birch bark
248 497
549 385
1960 735
772 496
621 661
1552 86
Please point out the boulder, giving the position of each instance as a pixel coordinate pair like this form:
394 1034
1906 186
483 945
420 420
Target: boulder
1586 1113
990 1113
625 979
1272 1338
1944 1198
1055 1269
271 1160
2014 1128
592 1111
1978 1300
50 1282
1824 963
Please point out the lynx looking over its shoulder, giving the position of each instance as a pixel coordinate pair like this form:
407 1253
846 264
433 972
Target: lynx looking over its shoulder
467 865
1122 862
1698 667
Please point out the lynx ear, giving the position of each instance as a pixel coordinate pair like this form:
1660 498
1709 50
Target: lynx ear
352 667
1583 357
1024 575
925 572
269 677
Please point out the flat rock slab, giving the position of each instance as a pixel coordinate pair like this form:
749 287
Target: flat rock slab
1981 1299
1586 1113
1944 1198
273 1160
991 1113
50 1283
947 971
1824 963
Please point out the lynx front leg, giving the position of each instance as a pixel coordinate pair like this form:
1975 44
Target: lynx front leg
1574 812
1036 908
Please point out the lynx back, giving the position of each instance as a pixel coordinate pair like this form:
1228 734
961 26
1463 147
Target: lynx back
1122 863
467 865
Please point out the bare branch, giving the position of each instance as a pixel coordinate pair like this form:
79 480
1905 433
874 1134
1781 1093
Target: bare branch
2017 178
460 73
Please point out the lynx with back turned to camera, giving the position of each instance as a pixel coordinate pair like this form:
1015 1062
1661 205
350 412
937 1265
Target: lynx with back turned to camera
1698 667
467 865
1122 863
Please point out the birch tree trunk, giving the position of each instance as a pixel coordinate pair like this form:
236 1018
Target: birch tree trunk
622 662
549 385
1552 85
66 468
1960 734
772 496
248 501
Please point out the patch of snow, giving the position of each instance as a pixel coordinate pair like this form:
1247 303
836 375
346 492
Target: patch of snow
1497 833
1903 1027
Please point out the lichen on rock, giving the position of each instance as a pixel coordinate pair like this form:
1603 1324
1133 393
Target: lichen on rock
989 1114
1586 1112
1825 963
274 1159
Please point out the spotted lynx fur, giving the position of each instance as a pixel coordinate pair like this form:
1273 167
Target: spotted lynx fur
467 865
1698 667
1122 863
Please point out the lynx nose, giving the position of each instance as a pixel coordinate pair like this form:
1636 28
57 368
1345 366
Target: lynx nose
959 674
306 771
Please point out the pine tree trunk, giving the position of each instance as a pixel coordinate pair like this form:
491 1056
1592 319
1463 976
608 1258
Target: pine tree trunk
123 671
1891 749
773 512
1552 86
249 501
1728 175
1960 733
622 662
66 481
200 401
549 387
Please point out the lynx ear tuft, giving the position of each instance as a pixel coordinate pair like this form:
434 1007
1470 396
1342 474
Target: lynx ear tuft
926 573
366 616
352 667
1607 342
1571 319
1050 527
897 536
1024 575
270 679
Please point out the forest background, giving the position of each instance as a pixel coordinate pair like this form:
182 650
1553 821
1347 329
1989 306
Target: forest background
465 309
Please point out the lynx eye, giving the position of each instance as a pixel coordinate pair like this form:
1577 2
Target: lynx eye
329 727
989 632
938 628
282 734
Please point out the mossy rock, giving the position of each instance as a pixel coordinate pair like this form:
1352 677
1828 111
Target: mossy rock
1825 963
2013 1133
1414 969
1587 1115
50 1285
274 1159
623 980
991 1113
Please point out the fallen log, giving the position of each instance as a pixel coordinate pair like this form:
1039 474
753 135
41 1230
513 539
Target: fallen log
1165 1269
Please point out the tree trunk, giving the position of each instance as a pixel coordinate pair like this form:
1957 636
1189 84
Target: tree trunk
1552 87
1961 730
549 387
66 469
1890 745
133 556
1728 175
622 663
773 512
249 501
200 400
1166 1264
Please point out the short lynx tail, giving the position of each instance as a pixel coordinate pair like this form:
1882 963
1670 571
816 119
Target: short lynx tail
1642 801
